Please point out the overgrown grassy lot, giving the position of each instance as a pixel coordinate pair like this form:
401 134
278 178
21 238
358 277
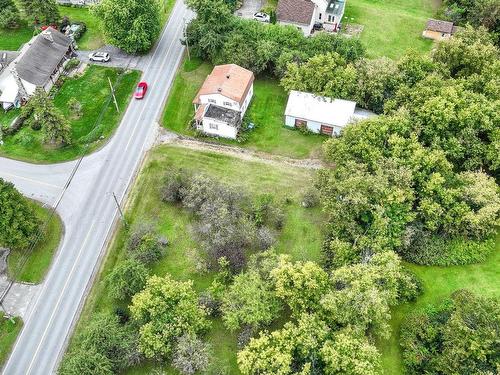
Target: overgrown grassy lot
391 27
439 283
301 236
41 257
92 91
266 111
92 39
9 329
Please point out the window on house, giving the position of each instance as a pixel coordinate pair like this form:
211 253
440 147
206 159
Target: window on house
212 101
320 15
228 104
214 126
329 18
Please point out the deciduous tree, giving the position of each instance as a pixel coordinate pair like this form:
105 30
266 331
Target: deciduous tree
132 25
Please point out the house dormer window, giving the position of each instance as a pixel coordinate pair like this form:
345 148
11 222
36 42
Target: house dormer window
212 101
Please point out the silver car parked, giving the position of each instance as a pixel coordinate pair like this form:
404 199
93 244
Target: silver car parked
99 57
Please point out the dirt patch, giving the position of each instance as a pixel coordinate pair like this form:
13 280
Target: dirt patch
238 152
352 29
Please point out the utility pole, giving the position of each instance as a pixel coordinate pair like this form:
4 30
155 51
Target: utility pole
186 38
120 210
114 97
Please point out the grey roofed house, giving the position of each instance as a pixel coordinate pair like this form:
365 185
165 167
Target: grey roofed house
226 115
43 57
295 11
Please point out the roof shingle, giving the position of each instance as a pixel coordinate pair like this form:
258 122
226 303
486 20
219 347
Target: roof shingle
229 80
439 26
40 60
295 11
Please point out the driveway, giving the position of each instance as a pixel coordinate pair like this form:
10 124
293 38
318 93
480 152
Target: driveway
249 8
88 210
119 58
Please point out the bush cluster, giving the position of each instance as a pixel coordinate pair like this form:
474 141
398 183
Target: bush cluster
228 224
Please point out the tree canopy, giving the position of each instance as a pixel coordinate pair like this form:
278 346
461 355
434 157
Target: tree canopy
165 310
41 11
19 224
132 25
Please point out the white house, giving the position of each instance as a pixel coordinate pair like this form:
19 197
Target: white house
38 65
304 14
223 100
318 114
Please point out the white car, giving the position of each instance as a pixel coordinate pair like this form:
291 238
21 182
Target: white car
99 56
262 17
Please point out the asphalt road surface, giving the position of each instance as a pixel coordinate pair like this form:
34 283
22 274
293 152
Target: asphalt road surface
88 210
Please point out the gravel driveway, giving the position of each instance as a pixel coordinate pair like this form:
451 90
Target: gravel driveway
249 8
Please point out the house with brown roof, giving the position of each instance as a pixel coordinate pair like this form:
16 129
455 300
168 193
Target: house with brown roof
439 30
303 14
223 100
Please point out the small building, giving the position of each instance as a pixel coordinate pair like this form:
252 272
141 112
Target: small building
39 65
223 100
439 30
318 114
304 14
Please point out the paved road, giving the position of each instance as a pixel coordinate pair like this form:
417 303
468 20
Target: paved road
88 211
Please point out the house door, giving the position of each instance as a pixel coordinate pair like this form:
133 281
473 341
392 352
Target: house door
300 123
327 130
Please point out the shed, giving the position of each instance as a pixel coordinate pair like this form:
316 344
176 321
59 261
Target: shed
317 113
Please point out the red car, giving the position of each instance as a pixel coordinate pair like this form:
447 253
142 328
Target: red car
140 91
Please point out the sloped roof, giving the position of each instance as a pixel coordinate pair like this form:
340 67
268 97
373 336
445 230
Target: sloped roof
307 106
229 80
42 56
439 26
295 11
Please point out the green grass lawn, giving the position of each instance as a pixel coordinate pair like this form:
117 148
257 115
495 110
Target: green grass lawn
92 39
391 27
266 112
9 329
92 91
41 257
439 283
301 235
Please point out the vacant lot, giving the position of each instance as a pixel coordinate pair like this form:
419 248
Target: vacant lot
266 112
301 236
391 26
93 92
40 257
439 283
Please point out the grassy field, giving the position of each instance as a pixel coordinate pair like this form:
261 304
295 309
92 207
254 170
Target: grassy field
266 112
41 257
92 39
301 236
9 329
391 27
439 283
92 91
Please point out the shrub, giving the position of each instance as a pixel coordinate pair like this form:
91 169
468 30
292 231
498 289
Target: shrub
422 247
458 337
210 304
79 33
190 355
71 64
145 245
176 181
85 362
266 212
126 279
104 347
265 238
310 198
